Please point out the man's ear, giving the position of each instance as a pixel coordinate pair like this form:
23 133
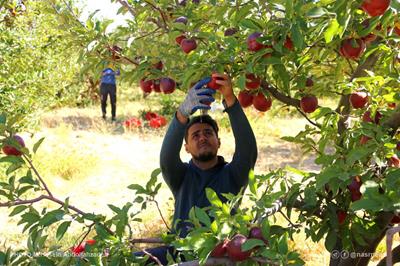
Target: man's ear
219 142
186 148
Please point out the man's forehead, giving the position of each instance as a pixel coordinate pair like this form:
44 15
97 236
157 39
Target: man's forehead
199 126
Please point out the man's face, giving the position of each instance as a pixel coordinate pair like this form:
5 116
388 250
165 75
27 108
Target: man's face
202 142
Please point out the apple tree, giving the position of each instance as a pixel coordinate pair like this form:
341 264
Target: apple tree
297 54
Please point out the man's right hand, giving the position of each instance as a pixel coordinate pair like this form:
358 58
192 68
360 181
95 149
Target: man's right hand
196 98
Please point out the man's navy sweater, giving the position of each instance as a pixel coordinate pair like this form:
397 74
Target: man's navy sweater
188 183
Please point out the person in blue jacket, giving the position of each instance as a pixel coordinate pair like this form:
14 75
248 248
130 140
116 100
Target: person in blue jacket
206 169
108 87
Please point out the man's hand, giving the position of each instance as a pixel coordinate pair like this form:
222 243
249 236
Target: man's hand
197 98
226 88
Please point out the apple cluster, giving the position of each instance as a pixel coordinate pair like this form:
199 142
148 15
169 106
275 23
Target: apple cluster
233 247
165 85
152 119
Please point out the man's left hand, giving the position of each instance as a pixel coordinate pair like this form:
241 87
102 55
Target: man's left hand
226 88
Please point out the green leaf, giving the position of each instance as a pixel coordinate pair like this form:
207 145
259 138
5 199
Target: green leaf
326 175
3 118
250 24
139 189
252 243
37 145
297 37
252 182
330 240
202 216
17 210
52 217
282 245
62 229
41 260
332 31
213 197
114 208
366 204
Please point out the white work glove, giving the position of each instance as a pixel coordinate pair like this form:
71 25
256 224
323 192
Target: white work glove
197 98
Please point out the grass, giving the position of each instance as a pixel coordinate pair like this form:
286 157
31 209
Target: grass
92 162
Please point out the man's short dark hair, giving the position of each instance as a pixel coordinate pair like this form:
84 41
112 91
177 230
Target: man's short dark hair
206 119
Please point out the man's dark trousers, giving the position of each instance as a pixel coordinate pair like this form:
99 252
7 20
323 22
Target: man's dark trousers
105 90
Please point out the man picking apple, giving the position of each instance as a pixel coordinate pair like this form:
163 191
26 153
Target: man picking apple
108 87
188 181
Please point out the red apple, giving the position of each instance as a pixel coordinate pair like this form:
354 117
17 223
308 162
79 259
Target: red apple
245 98
359 99
188 45
309 82
213 83
370 37
230 31
90 242
288 44
364 139
159 65
267 55
252 82
179 39
234 248
394 161
167 85
256 232
356 195
146 85
378 117
150 115
252 43
375 7
395 219
220 249
136 122
261 103
182 19
352 48
367 117
78 250
309 103
116 48
156 85
11 150
341 215
354 188
355 184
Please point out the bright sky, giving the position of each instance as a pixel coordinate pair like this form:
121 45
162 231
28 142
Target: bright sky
106 10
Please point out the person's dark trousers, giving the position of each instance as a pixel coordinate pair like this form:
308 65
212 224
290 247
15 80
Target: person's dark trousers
105 90
160 253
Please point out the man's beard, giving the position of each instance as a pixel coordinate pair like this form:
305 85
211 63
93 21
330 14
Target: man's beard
205 157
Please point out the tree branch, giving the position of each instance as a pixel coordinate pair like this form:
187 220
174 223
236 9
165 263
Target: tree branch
127 6
279 96
146 240
161 13
38 175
